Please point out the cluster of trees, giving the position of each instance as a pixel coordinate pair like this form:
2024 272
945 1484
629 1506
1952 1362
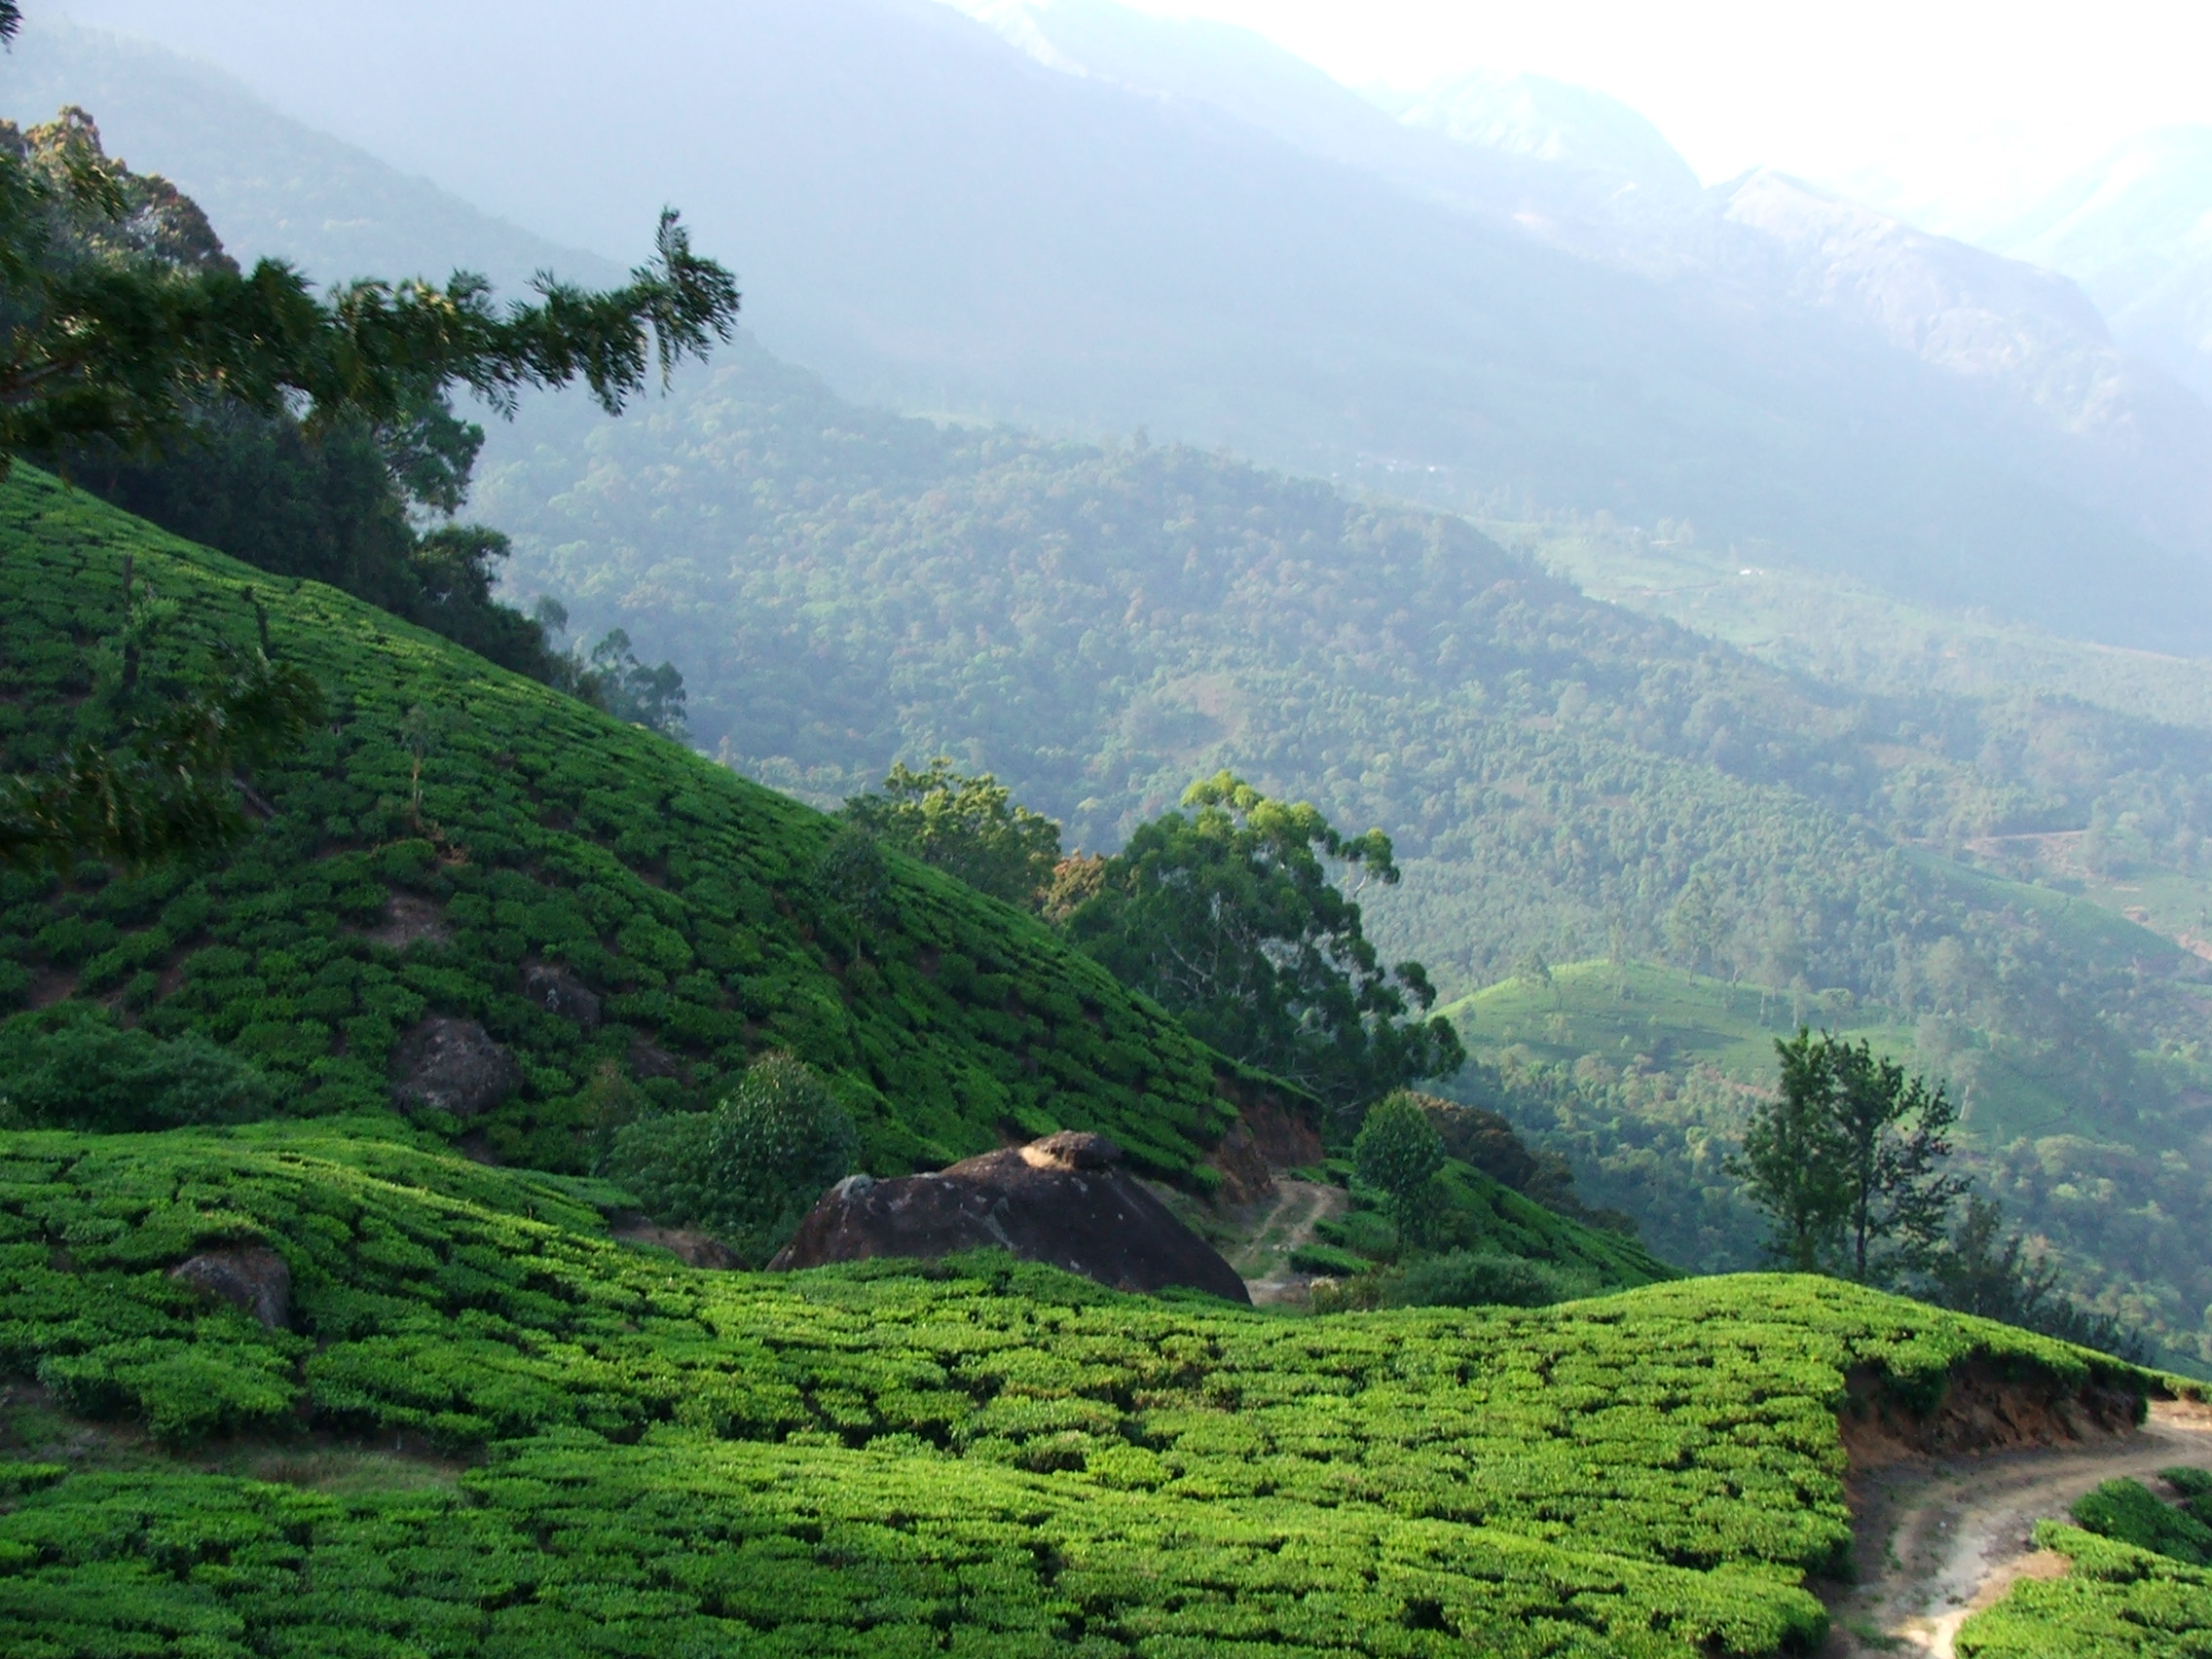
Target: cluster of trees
1849 1160
310 435
1227 912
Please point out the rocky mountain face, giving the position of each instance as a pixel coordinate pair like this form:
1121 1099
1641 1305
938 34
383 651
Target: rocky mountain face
2136 232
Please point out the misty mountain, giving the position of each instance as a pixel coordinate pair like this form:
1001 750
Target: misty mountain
2136 232
940 219
1549 121
274 186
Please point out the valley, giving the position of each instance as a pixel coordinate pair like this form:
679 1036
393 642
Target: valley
1242 864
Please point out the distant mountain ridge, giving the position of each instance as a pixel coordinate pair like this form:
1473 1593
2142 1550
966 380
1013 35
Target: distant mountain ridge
1250 255
2136 232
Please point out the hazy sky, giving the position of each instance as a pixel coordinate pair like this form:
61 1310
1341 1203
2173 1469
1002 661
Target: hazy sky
1953 108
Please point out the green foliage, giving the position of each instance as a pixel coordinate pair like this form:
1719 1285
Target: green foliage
749 1169
862 1457
1399 1150
2130 1512
1845 1157
420 864
1472 1279
829 1458
970 827
2115 1602
613 679
1230 918
110 335
71 1068
167 788
1793 1162
1099 625
2195 1488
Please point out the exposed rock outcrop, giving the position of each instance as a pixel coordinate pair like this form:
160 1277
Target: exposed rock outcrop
563 995
252 1277
452 1065
1064 1200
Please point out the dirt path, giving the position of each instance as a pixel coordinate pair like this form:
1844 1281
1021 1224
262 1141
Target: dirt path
1264 1258
1940 1540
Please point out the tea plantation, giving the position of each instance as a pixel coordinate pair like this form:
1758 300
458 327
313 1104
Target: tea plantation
457 824
609 1453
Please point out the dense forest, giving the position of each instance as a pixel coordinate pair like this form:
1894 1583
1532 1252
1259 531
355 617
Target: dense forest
1563 779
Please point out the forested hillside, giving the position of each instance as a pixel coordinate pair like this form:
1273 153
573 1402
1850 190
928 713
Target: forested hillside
1564 778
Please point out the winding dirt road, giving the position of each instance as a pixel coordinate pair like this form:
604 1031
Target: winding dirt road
1940 1539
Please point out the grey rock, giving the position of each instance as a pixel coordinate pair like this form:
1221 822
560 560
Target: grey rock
1064 1200
250 1277
452 1065
563 995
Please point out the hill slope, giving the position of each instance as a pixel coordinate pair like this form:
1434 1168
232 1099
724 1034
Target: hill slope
882 1460
457 824
844 586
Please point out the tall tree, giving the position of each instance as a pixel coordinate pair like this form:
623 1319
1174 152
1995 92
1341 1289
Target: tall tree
1792 1160
121 323
1228 914
1894 1134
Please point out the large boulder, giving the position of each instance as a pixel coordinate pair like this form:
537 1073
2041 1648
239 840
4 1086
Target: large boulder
452 1065
252 1277
1064 1200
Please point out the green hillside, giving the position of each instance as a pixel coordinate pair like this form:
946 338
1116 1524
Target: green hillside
1560 775
489 1429
457 824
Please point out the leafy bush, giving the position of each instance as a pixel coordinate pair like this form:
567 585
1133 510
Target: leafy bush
749 1169
1469 1278
2131 1513
1399 1151
2115 1602
858 1459
2195 1488
70 1067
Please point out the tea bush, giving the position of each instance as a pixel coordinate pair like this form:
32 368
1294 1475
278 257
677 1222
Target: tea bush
2115 1602
978 1452
457 824
2130 1513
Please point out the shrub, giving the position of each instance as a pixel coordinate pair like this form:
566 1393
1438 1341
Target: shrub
2130 1513
1399 1151
72 1068
2195 1488
1472 1278
749 1169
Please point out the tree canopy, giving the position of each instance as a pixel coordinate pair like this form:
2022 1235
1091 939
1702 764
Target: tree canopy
1228 914
124 335
1847 1160
123 327
971 827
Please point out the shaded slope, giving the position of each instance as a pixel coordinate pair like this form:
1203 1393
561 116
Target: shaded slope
458 825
